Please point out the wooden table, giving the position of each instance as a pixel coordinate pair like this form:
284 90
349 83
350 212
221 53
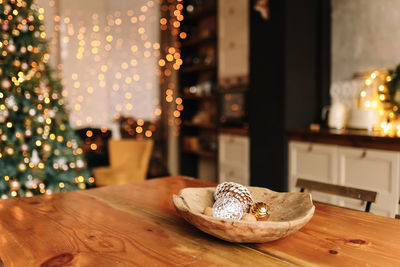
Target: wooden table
136 225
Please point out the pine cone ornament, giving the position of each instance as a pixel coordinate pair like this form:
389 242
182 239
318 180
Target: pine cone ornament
238 191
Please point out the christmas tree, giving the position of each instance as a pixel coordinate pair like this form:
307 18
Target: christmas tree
39 151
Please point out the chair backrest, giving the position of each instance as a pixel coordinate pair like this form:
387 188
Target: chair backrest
130 153
339 190
397 216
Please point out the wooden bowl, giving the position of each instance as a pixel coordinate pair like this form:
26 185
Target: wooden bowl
289 212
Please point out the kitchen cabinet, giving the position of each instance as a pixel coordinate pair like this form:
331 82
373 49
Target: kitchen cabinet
234 158
364 168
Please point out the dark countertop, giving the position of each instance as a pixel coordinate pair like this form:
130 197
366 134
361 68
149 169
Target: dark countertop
353 138
235 131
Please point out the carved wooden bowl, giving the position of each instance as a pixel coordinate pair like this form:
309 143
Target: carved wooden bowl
289 212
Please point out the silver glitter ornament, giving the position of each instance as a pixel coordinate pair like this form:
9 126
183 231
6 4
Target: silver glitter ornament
238 191
228 208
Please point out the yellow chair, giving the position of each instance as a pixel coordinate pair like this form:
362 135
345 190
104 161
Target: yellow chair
129 161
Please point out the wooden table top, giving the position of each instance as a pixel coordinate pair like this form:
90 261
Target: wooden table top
137 225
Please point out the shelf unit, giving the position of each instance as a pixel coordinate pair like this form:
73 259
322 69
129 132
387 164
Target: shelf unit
198 83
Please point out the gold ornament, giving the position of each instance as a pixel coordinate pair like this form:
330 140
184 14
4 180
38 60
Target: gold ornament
261 211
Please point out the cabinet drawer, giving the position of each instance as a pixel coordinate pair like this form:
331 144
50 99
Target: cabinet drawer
233 149
371 169
233 159
231 173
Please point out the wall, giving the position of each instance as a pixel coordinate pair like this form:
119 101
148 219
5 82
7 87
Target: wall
109 52
365 36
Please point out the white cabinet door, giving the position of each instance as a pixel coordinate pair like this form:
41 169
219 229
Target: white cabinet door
233 38
314 162
374 170
234 158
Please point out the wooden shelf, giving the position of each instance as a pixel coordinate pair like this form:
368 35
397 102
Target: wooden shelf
204 12
196 68
199 97
199 41
204 126
203 153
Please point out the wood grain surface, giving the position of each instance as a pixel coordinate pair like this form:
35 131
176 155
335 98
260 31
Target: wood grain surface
137 225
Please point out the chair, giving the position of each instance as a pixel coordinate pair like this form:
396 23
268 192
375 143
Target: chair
397 216
129 161
339 190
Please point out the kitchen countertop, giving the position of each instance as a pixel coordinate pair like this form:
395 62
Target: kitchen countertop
353 138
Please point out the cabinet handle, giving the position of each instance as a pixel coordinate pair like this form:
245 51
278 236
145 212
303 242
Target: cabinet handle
310 148
364 154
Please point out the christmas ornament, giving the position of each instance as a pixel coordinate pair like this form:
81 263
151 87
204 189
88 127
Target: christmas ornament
15 32
31 182
3 115
35 157
24 66
24 28
5 27
5 84
16 63
261 211
10 151
28 132
10 102
11 48
238 191
15 185
21 167
81 186
80 163
228 208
